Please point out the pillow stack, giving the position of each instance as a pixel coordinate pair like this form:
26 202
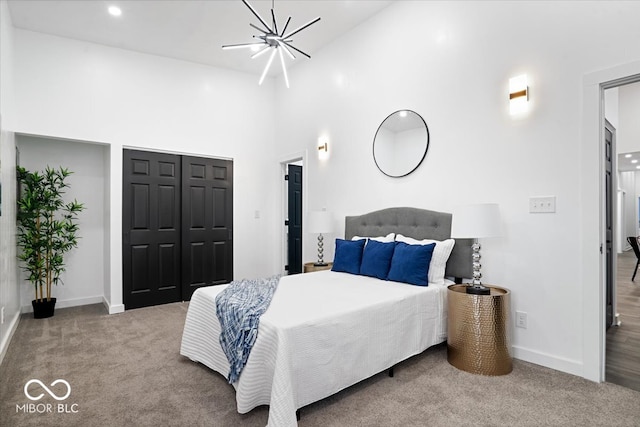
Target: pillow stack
396 258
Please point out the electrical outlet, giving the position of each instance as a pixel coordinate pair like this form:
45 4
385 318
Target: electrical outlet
542 204
521 319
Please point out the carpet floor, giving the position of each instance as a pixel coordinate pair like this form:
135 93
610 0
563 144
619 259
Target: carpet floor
126 370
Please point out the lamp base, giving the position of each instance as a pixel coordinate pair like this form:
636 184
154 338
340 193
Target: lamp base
320 264
478 290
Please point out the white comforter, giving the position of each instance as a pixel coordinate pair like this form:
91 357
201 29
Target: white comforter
323 332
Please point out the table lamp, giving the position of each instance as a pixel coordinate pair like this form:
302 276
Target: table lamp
319 222
476 222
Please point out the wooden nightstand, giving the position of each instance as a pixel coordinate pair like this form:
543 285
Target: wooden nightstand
309 267
478 331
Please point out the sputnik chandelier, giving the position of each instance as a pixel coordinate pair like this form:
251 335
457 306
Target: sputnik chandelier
270 39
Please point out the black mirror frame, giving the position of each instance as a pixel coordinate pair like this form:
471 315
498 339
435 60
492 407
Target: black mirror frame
373 147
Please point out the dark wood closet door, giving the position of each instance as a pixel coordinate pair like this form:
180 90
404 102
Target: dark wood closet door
207 223
151 228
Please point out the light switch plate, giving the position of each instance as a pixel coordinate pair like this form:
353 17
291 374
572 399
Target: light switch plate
545 204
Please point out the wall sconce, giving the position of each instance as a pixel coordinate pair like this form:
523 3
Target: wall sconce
518 94
323 149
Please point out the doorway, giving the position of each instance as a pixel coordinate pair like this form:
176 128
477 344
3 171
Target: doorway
621 293
177 224
294 219
293 204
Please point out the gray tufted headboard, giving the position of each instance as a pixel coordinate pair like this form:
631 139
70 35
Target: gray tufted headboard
419 224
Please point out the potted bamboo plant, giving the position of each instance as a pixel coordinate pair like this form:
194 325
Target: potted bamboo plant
47 229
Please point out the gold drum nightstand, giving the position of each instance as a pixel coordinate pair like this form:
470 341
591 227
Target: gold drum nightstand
309 267
478 331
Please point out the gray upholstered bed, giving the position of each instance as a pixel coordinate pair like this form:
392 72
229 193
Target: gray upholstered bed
419 224
325 331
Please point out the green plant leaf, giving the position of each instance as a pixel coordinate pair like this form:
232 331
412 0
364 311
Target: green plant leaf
47 225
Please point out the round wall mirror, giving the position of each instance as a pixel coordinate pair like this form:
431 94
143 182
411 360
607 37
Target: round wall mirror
401 143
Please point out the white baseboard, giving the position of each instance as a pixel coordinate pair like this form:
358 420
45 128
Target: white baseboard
68 303
4 345
573 367
112 309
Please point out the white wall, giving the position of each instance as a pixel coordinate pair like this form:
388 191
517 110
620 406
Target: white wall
628 134
627 212
451 62
611 106
87 185
9 287
82 91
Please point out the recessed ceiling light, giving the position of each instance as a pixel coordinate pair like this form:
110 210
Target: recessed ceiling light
637 167
627 155
115 11
634 161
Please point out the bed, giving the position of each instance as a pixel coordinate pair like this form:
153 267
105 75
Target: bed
327 330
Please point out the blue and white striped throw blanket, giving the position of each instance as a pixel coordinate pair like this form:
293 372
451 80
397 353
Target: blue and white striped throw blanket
239 308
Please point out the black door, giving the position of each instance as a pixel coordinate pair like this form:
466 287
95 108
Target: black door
207 223
177 226
609 194
294 234
151 228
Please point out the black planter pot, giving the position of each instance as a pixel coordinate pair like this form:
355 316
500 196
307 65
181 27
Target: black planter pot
43 308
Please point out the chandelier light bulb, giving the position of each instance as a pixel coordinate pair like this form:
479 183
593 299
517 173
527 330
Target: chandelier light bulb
266 69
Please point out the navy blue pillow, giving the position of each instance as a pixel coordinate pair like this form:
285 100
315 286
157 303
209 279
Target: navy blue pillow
376 259
348 256
410 263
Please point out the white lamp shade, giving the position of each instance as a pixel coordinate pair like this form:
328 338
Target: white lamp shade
476 221
319 222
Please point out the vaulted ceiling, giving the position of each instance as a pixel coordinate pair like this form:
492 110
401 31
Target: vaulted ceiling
192 30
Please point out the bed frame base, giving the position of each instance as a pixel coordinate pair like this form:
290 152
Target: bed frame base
390 372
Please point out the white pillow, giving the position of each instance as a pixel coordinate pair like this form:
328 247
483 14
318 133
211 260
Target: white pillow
439 258
384 239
